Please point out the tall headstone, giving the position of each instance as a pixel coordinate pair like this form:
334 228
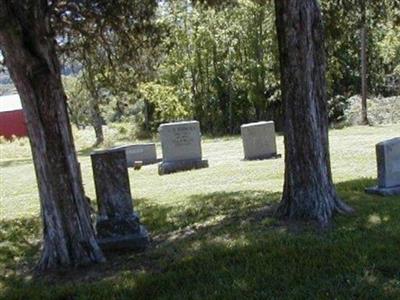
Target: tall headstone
388 161
259 141
145 153
181 147
117 226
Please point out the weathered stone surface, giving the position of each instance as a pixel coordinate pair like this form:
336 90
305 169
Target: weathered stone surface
117 225
180 140
393 191
181 147
388 162
146 153
121 233
111 180
259 140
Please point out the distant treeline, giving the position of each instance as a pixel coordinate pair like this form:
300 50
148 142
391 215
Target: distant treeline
219 64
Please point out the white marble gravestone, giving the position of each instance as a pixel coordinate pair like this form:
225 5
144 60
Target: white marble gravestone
388 161
259 140
146 153
181 147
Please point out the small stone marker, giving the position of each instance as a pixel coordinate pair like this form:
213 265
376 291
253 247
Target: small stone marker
137 165
146 153
181 147
259 140
388 161
117 226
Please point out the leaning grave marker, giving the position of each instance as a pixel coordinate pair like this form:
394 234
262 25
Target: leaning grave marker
181 147
388 162
117 225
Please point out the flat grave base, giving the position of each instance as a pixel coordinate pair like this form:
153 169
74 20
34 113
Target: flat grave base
264 157
393 191
122 234
136 241
181 165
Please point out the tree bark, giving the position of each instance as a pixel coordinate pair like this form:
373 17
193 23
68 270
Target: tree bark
28 46
97 122
364 86
95 115
309 193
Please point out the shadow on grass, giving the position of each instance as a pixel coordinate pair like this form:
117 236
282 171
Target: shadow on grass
203 208
15 162
227 245
19 245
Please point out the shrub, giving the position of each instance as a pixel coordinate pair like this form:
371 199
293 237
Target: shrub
336 109
380 110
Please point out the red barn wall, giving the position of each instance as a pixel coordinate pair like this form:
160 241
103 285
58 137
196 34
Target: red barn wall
12 123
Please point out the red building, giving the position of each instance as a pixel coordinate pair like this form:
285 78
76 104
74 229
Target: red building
12 120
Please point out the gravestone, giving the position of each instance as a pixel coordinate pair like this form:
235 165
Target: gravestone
145 153
259 140
117 226
181 147
388 161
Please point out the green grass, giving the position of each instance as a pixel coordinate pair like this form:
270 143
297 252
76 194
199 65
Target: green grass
213 236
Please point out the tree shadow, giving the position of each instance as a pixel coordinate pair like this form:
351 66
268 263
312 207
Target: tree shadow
232 244
371 210
19 245
203 208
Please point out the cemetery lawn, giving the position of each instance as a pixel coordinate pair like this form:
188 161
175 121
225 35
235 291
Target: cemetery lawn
213 236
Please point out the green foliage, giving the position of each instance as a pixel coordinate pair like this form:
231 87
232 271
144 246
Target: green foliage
169 104
343 20
217 62
389 47
78 102
337 107
112 42
126 131
224 59
380 110
389 50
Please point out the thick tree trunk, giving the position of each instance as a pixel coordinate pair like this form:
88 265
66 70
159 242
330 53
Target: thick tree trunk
309 193
29 51
364 86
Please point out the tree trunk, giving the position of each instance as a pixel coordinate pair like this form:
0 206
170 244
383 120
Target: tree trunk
146 116
97 123
364 87
309 193
28 47
95 116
